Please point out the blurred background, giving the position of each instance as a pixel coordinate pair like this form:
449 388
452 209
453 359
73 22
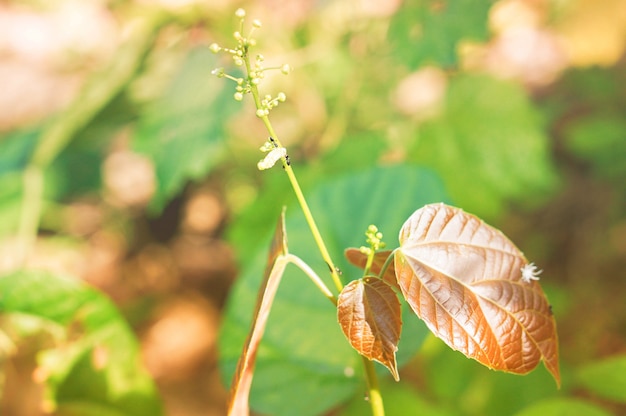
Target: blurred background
124 163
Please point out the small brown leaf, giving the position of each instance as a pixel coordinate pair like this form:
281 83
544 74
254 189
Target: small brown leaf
242 380
464 279
369 313
358 259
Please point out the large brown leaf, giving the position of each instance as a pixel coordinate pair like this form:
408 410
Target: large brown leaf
463 278
369 313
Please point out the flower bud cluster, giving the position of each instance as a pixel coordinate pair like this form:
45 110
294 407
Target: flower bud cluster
267 103
374 239
256 72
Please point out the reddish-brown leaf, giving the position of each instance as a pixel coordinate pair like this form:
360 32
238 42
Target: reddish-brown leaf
358 259
369 313
463 278
276 263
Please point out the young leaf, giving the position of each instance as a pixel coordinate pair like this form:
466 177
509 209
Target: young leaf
358 259
464 279
276 263
118 384
369 313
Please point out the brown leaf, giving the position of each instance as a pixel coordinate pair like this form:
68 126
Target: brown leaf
358 259
276 263
463 278
369 313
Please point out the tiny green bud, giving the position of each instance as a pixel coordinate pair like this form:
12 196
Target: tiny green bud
260 113
285 69
255 81
218 72
256 23
281 97
252 42
238 61
237 36
240 13
215 48
238 96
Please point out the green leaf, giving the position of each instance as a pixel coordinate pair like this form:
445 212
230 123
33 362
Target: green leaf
15 150
77 169
488 145
183 132
563 407
471 388
117 384
304 365
606 378
600 140
427 31
11 190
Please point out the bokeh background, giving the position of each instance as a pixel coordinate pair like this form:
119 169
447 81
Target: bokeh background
149 189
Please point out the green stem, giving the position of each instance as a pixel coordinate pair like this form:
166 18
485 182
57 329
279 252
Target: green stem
313 276
31 209
376 400
374 395
319 241
95 95
387 263
370 261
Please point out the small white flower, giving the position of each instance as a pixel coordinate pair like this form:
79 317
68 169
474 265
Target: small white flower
530 272
272 157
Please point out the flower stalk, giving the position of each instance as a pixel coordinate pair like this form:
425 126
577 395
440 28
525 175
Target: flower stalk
276 151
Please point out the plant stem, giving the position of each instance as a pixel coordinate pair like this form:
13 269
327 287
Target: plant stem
313 226
297 190
391 257
375 398
95 95
313 276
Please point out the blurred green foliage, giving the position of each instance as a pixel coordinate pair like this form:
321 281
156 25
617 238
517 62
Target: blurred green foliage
95 371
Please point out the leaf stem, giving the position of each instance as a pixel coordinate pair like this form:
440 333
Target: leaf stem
312 275
383 269
375 397
370 261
